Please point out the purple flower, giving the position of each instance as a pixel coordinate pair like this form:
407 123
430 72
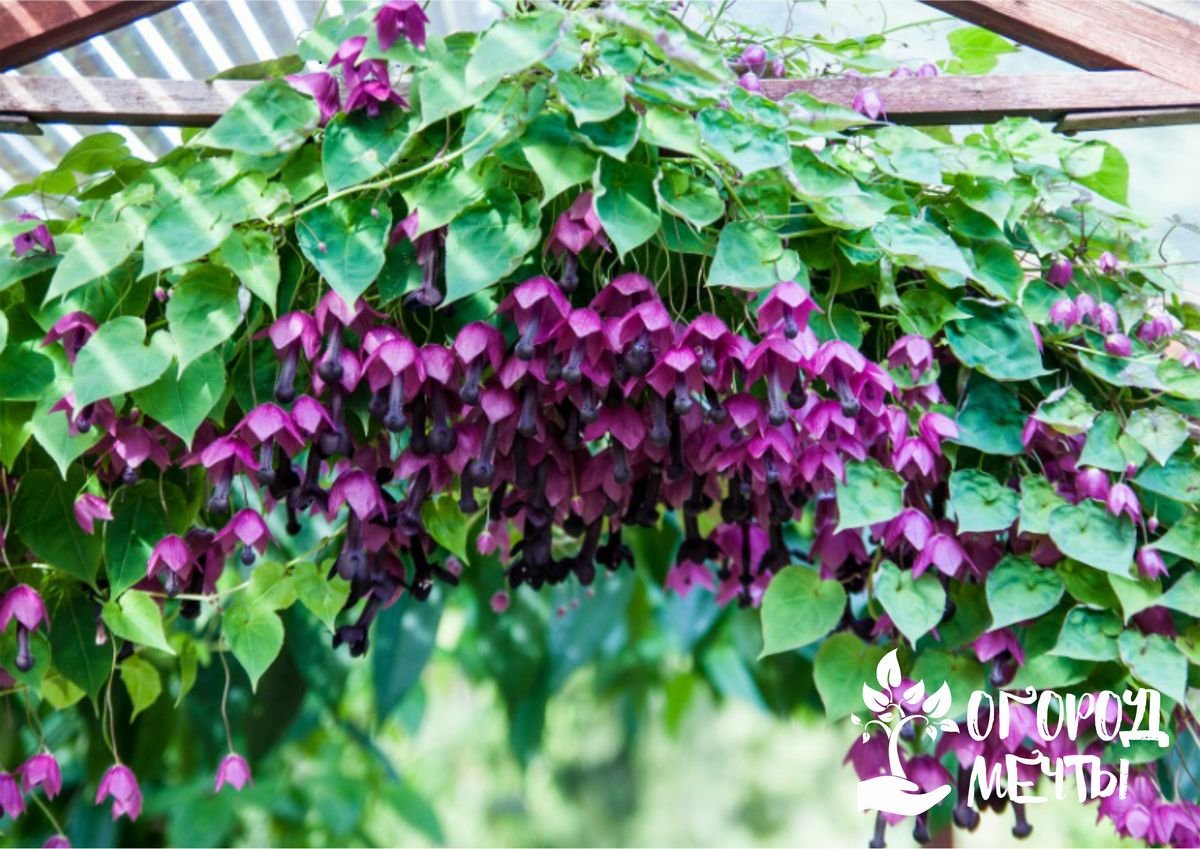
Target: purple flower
912 351
911 525
1107 262
41 770
401 18
868 102
247 528
396 368
991 645
754 57
72 330
11 802
323 86
1086 305
290 334
360 491
57 841
477 346
24 604
927 70
749 82
1159 327
1122 499
1064 313
537 306
500 601
121 784
1092 483
934 427
1118 344
172 555
1106 318
789 305
577 228
1060 273
39 236
686 574
944 553
89 508
234 771
1150 563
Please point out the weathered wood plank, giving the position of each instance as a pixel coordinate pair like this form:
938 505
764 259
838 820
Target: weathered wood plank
1096 34
32 29
935 100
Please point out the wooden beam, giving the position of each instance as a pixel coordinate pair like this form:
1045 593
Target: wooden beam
1080 122
932 100
1096 34
32 29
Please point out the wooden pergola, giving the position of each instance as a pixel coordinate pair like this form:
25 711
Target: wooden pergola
1143 63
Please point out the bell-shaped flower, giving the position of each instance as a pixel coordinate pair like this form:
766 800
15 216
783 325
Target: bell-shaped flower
686 574
1106 318
100 414
913 352
1122 499
323 87
1092 483
779 361
1159 327
910 525
292 333
1061 271
992 644
477 346
627 429
34 238
916 453
577 229
535 307
842 368
400 18
622 294
788 306
57 841
23 604
934 427
234 771
89 508
359 490
172 557
12 803
41 770
1107 263
678 371
71 331
267 426
131 446
1064 313
711 339
396 367
868 102
1150 563
248 529
641 335
1118 345
121 785
580 336
944 553
222 458
443 378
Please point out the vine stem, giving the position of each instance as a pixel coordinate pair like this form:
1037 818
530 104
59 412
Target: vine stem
49 814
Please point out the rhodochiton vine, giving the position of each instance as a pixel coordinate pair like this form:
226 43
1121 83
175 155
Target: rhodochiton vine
584 299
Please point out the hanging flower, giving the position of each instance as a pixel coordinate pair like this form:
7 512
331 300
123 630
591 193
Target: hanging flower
234 771
398 18
121 785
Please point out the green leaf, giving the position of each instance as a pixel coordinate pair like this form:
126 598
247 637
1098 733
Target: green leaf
870 494
1134 596
1049 672
595 99
985 195
255 635
556 158
625 203
440 197
1183 538
913 243
991 421
445 522
499 119
1090 534
997 270
689 197
44 518
1087 585
202 313
925 311
251 255
441 85
751 256
1038 500
270 118
997 341
1156 661
25 373
916 606
674 130
841 666
142 682
1100 167
798 608
615 136
139 521
414 809
512 45
357 147
1067 411
1088 635
1019 589
1184 594
114 361
402 643
975 50
982 503
270 587
102 247
345 240
323 597
73 643
486 244
1108 448
1161 431
1179 480
184 231
748 147
180 403
136 617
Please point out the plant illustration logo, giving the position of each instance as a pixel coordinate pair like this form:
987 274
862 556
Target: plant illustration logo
897 705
